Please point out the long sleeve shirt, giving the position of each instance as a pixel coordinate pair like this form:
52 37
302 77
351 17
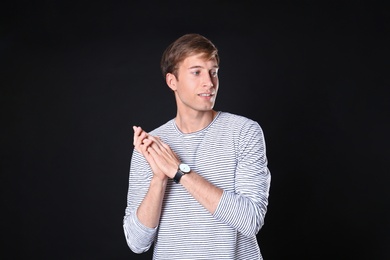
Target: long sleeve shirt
230 153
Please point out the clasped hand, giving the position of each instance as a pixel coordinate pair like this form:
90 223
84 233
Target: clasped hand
159 155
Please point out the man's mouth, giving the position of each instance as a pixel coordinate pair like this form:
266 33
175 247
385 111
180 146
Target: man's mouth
205 94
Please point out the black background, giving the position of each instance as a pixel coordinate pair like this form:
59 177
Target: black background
76 75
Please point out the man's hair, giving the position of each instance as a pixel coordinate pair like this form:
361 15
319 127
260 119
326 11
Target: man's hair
186 45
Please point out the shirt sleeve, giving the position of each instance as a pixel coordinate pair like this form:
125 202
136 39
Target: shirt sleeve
139 238
245 208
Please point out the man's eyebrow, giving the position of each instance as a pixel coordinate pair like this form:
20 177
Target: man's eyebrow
196 67
201 67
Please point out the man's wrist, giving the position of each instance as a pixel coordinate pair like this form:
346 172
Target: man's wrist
159 181
181 171
179 174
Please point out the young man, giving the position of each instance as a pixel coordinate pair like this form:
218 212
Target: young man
199 184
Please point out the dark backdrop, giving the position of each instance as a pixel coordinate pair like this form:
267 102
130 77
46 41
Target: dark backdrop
76 75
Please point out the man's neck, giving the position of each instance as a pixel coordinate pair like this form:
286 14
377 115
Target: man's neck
192 123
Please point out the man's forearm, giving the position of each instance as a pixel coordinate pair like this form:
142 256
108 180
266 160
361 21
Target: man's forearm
149 210
203 191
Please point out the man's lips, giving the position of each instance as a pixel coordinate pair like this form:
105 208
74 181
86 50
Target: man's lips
206 94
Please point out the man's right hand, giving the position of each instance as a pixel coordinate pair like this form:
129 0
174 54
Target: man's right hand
142 144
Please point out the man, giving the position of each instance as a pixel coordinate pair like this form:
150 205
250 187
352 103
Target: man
199 184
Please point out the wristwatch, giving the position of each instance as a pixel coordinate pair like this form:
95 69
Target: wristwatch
182 169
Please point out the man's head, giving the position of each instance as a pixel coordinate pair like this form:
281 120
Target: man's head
186 45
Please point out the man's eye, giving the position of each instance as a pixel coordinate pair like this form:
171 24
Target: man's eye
196 73
214 73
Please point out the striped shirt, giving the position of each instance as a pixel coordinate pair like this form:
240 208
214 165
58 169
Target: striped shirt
230 153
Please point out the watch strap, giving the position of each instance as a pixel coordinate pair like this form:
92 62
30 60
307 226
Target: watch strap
178 176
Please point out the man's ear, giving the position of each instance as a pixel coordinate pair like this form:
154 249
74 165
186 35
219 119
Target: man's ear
171 81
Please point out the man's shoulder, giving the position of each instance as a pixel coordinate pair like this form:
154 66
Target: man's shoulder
236 123
236 119
167 126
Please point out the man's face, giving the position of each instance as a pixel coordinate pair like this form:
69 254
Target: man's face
197 84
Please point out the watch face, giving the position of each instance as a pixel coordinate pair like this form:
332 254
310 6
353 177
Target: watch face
184 168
